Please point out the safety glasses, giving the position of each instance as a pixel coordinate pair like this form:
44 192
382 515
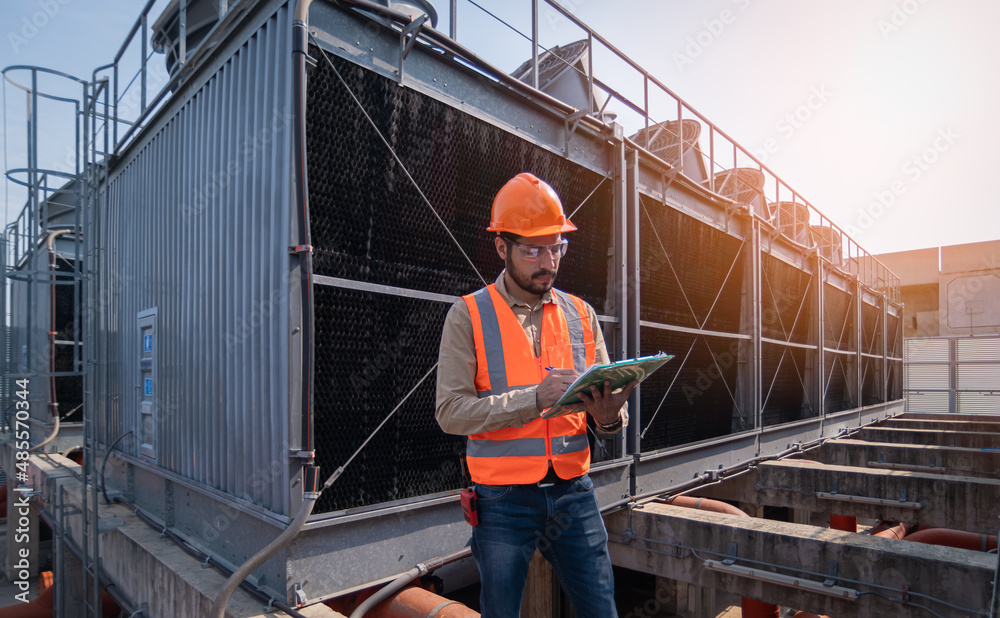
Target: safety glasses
531 253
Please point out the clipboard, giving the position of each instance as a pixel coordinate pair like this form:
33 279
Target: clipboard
619 374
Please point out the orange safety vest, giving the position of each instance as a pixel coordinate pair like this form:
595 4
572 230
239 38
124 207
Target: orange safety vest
506 362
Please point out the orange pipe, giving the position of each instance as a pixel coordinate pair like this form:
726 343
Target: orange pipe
801 614
844 522
43 606
953 538
705 504
889 530
749 608
412 602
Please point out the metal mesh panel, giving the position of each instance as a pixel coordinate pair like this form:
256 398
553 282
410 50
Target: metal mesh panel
839 386
700 404
691 273
369 224
871 329
839 319
371 350
894 326
895 380
785 397
785 302
872 387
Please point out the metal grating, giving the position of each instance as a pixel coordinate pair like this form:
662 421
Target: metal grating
691 274
786 307
371 350
895 380
701 403
872 381
839 319
785 396
369 225
894 328
840 382
871 329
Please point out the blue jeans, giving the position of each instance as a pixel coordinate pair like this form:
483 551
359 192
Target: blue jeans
564 522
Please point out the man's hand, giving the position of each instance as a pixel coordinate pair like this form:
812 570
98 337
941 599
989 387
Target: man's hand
553 386
605 406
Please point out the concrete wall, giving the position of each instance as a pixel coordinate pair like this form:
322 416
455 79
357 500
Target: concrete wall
953 290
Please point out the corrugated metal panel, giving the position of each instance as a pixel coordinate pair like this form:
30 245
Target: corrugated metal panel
198 227
926 351
985 350
978 403
936 402
926 377
979 377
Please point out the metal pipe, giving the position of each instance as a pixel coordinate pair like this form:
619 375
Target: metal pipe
300 34
222 598
403 580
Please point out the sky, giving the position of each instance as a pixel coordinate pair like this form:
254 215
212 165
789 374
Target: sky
881 113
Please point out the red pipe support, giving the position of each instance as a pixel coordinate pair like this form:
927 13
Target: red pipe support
844 522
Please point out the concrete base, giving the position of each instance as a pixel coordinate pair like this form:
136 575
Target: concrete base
149 570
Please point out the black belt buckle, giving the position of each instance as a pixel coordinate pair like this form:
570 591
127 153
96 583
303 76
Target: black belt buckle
550 479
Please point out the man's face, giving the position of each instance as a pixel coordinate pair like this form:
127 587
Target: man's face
535 277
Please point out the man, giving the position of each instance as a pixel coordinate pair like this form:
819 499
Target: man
508 352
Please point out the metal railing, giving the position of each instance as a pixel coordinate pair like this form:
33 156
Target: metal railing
657 105
645 104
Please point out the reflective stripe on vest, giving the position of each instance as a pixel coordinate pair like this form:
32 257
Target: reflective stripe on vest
526 447
506 362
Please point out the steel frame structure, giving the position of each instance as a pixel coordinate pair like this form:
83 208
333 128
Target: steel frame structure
312 567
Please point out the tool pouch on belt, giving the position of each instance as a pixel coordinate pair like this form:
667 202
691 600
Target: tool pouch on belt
469 506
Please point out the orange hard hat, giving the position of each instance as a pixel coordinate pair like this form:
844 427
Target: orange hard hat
527 206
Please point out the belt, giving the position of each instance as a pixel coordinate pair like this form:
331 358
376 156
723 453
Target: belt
551 478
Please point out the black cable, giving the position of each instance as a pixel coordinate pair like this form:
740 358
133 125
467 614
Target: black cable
207 559
104 465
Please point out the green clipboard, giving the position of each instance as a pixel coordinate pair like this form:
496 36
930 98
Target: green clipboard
619 374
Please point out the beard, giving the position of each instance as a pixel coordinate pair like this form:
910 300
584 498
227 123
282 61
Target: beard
529 283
